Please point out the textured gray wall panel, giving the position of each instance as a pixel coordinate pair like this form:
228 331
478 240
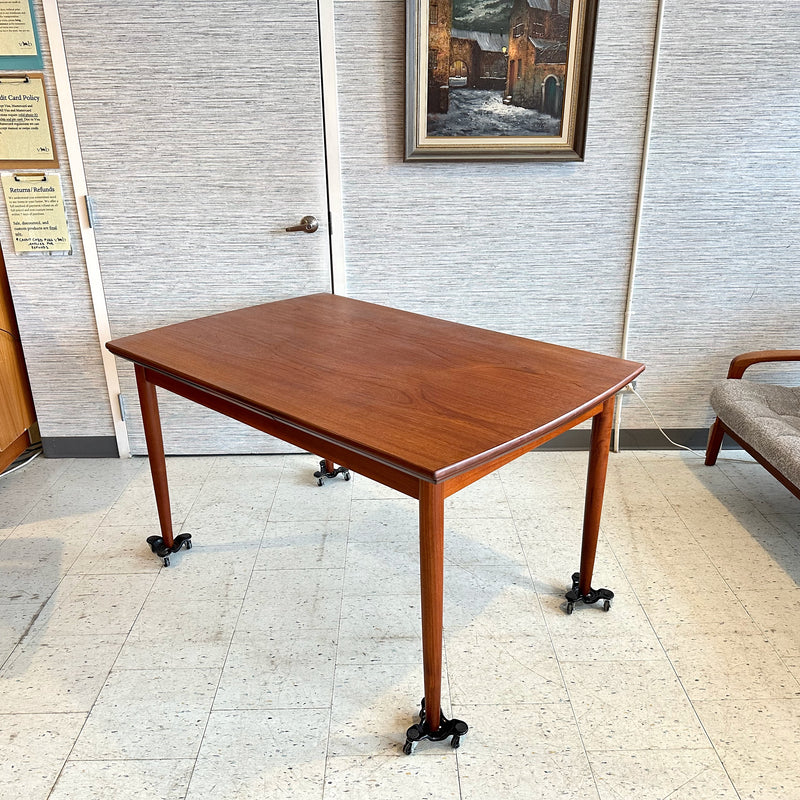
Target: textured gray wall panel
719 265
54 311
182 109
534 249
202 139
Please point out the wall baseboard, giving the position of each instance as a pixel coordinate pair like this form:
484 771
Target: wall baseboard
653 439
633 439
638 439
79 447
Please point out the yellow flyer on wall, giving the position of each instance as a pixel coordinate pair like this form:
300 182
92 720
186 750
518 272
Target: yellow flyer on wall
36 212
16 29
25 134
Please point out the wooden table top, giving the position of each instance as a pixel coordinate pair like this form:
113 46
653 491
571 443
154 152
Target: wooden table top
430 397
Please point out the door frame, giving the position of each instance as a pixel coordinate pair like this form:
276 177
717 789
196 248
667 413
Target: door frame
78 175
330 133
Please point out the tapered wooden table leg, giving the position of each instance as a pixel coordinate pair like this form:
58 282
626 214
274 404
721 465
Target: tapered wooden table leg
431 557
165 544
593 508
595 488
433 724
155 451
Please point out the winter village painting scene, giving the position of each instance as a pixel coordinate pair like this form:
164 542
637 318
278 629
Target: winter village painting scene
498 68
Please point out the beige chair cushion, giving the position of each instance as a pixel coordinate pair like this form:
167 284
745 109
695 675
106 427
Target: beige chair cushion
767 417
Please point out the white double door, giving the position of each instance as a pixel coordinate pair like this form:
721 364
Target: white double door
201 127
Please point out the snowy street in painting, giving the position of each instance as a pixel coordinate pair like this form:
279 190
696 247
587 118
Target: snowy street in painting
481 112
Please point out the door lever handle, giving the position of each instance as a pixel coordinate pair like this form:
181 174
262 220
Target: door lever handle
307 225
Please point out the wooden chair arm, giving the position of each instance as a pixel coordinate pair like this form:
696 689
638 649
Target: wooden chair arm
741 362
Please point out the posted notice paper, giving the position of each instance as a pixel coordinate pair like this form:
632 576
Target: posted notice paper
24 124
36 211
16 29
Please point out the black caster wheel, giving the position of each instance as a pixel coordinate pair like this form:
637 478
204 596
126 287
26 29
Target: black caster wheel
157 546
574 595
322 473
453 729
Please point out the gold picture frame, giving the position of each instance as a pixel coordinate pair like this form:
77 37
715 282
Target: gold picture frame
490 89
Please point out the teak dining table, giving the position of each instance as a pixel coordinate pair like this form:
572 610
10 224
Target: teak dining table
421 405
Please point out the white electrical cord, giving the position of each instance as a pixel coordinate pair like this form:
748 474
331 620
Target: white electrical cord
681 446
637 222
663 432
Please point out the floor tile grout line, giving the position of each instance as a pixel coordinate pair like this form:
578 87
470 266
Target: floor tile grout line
67 569
23 635
115 760
669 659
666 653
110 505
699 543
560 665
615 544
105 680
124 638
113 665
704 729
757 509
659 639
234 627
446 671
88 714
336 650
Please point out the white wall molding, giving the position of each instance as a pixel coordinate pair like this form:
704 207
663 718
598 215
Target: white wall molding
637 223
75 159
333 157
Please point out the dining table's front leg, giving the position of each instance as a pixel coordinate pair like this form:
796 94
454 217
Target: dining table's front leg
432 725
581 590
165 544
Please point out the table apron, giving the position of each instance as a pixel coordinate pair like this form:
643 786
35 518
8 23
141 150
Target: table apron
458 482
369 466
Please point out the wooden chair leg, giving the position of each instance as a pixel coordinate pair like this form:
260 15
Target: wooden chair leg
715 435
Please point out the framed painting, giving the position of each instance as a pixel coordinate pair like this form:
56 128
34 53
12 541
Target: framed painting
498 79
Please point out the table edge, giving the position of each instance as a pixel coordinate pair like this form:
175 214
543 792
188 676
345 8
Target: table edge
439 475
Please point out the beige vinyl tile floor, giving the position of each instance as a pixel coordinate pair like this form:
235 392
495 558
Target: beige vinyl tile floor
281 656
